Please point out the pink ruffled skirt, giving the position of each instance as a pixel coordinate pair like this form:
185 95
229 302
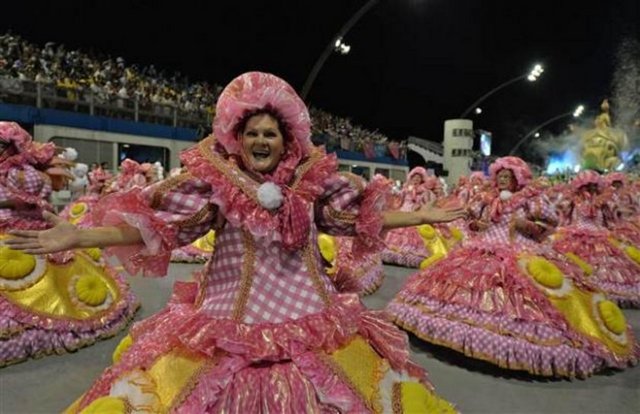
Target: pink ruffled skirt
614 272
42 313
404 247
361 274
480 300
290 367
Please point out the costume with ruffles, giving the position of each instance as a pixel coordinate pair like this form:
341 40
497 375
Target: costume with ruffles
262 329
608 254
362 274
198 251
623 218
504 298
404 246
49 303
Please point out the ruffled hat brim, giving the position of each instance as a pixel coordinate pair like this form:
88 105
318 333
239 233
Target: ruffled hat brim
253 91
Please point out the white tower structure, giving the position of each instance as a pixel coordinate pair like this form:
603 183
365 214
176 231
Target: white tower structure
457 148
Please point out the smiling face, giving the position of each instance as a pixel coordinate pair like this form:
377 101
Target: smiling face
506 180
262 143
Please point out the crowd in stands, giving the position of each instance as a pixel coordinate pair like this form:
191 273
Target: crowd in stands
108 80
82 77
340 133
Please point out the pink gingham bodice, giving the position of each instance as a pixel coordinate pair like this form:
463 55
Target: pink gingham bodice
280 285
251 278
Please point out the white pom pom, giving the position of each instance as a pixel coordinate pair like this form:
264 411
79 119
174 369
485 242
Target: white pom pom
505 195
69 154
270 196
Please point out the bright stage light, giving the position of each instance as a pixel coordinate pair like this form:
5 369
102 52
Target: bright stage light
535 72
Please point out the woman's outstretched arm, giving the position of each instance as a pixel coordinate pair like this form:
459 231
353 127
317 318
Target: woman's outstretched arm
65 236
427 215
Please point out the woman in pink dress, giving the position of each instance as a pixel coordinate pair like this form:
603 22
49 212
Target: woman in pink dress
505 298
469 187
262 329
49 304
405 246
623 222
611 261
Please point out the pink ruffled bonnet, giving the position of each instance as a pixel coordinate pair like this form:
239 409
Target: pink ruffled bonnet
587 177
253 91
615 176
520 169
12 133
418 171
25 150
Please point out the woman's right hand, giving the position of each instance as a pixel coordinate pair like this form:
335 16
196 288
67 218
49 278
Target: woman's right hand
63 236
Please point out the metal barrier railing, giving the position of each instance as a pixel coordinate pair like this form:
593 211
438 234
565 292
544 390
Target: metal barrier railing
86 100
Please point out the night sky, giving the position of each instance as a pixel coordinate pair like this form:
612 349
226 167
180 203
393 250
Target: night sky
412 64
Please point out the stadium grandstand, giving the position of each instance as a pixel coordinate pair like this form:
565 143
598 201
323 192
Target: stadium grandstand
110 110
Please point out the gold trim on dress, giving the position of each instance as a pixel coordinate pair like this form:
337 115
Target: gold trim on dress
198 217
342 216
246 281
396 398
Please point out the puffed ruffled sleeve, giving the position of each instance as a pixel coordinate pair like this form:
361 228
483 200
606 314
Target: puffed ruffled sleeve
350 207
168 214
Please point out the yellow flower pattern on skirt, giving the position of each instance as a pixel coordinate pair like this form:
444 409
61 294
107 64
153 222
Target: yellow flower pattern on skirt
15 264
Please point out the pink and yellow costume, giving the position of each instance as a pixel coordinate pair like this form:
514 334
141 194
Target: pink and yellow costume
405 246
623 220
48 303
362 274
78 211
262 329
504 298
613 264
199 251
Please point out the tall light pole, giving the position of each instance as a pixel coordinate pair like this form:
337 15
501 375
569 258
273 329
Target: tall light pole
576 114
335 42
531 76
